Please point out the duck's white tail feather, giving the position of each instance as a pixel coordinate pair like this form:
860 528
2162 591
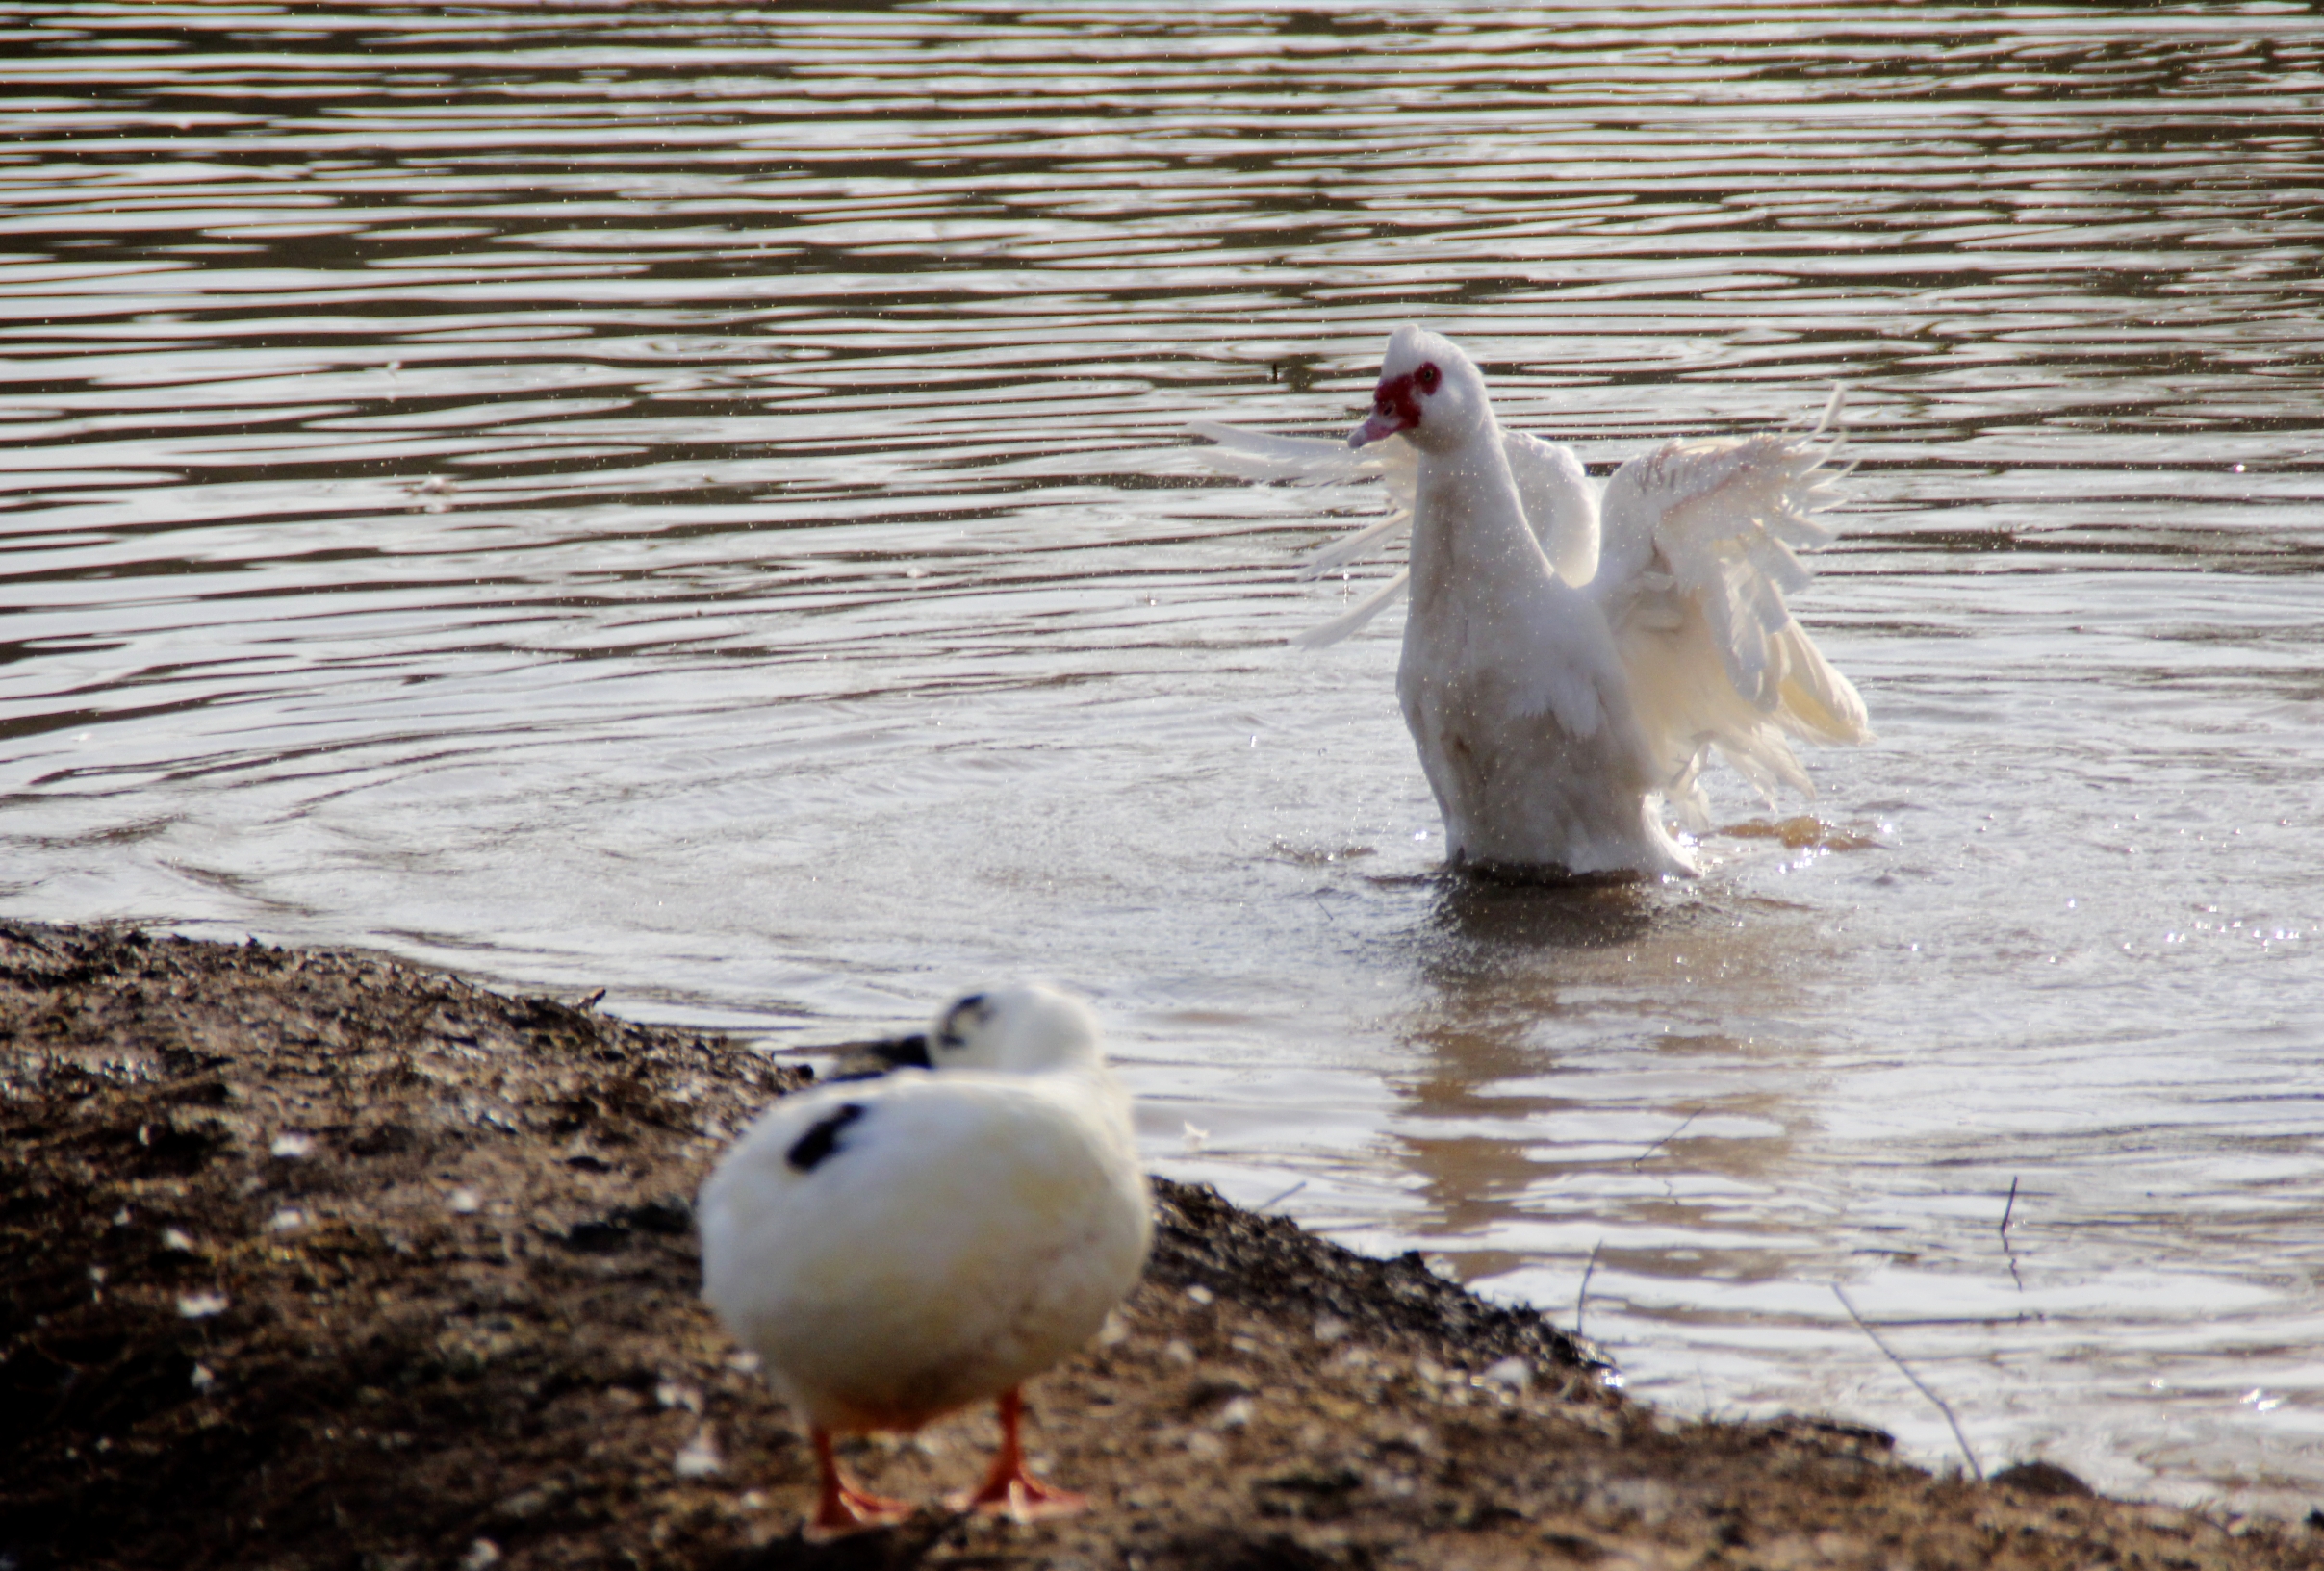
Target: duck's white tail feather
1355 616
1700 553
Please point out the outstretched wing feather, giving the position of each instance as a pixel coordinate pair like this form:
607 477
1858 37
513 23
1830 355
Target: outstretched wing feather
1352 620
1262 455
1700 555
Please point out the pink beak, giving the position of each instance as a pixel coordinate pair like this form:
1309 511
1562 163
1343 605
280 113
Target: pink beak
1395 409
1380 425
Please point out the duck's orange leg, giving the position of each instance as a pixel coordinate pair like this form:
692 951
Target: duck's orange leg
839 1506
1008 1488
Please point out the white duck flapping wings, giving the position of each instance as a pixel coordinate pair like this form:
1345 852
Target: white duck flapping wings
1572 661
898 1248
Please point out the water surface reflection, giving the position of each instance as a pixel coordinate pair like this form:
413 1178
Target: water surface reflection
697 503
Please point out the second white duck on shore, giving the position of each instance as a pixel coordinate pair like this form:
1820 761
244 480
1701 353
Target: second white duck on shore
898 1248
1572 662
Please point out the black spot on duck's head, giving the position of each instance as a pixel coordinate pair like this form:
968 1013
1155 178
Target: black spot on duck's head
961 1024
1023 1030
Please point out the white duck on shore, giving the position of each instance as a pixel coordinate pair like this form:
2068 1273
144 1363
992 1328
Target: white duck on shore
1571 660
898 1248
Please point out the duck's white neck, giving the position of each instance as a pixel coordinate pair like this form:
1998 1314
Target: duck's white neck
1469 534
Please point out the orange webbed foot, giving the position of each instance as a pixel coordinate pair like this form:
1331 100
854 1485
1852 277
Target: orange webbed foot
1008 1489
848 1510
840 1507
1023 1497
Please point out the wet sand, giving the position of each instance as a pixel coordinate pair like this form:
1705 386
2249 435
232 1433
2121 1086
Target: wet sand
312 1260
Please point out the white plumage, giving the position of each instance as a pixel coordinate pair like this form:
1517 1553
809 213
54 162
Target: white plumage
1572 661
898 1248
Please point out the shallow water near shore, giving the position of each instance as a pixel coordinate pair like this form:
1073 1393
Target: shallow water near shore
697 503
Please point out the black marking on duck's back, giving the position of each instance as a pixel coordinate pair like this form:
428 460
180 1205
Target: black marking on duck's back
876 1060
822 1139
903 1051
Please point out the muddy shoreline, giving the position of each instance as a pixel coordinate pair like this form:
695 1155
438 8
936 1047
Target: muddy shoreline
312 1260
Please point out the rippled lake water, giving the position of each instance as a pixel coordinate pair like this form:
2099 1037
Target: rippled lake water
695 500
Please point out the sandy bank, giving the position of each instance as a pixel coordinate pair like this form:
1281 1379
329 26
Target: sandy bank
308 1259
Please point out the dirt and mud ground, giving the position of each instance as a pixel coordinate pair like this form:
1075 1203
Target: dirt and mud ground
311 1259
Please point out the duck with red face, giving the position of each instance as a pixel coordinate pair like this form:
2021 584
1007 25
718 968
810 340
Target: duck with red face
1557 714
1396 403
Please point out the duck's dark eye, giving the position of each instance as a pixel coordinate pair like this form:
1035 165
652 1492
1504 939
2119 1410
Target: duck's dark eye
1428 376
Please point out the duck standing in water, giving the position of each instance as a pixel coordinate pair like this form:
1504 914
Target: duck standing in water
896 1249
1572 661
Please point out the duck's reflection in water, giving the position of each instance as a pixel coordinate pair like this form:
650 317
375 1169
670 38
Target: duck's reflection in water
1614 1062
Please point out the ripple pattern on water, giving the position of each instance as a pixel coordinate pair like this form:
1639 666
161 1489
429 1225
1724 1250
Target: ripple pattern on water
696 500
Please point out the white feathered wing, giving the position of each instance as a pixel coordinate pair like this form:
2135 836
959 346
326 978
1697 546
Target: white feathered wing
1699 549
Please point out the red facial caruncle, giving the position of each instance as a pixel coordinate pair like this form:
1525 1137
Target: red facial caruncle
1396 403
